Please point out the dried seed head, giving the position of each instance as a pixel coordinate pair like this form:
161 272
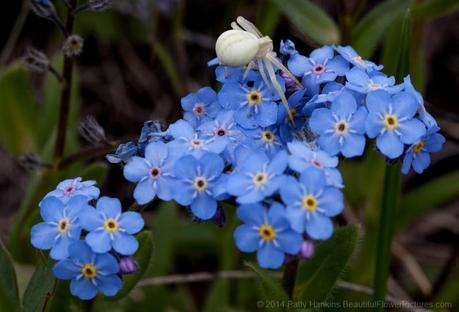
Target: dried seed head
31 162
73 46
36 61
98 5
91 131
43 8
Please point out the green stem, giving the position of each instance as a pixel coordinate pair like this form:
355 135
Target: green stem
66 86
386 225
391 192
289 277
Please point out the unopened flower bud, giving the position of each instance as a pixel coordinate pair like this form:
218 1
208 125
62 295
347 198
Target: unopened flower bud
289 82
43 8
287 47
307 250
128 266
73 46
91 131
36 61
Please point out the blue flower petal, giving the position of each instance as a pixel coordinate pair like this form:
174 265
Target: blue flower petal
269 257
253 196
204 206
296 217
212 165
278 163
132 222
247 239
136 169
267 114
185 167
165 188
61 249
298 65
411 131
378 102
83 288
353 145
289 241
404 105
321 120
145 191
81 251
106 264
110 206
109 285
66 269
156 153
99 241
319 226
331 201
51 209
238 183
290 191
321 54
251 214
344 105
43 235
90 218
125 244
389 144
421 162
330 143
185 196
181 129
373 125
313 179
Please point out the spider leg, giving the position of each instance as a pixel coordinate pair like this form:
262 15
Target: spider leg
248 26
247 70
278 88
236 26
263 74
273 59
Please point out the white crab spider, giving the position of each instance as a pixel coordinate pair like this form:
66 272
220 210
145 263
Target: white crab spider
244 45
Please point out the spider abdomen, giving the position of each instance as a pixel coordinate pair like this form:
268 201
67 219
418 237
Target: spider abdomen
236 47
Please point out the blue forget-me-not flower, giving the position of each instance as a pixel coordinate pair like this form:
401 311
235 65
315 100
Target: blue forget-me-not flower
342 127
268 232
109 227
89 272
311 202
391 120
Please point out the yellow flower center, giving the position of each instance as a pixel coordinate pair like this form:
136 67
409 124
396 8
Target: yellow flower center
267 136
254 97
293 111
267 232
341 127
390 122
200 184
89 270
260 179
418 147
111 225
64 225
310 203
358 59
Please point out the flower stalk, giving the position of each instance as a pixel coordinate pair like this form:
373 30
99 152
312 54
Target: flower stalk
66 86
391 191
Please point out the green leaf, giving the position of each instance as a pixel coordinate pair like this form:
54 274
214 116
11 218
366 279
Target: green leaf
9 296
270 288
143 257
434 8
369 32
40 287
427 196
18 117
311 20
317 277
165 227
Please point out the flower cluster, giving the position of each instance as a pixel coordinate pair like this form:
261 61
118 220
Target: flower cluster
92 245
238 143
